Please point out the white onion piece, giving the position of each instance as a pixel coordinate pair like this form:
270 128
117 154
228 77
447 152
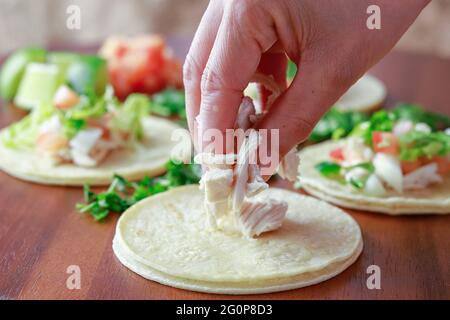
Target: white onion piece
288 167
388 169
51 125
357 173
422 127
374 186
85 140
355 151
402 127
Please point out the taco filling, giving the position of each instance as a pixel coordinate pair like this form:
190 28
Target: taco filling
231 182
76 129
390 152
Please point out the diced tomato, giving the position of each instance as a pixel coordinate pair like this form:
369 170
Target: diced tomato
443 165
142 64
410 166
385 142
106 132
65 98
337 154
121 51
50 142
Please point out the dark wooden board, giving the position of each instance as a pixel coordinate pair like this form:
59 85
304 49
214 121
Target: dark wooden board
41 234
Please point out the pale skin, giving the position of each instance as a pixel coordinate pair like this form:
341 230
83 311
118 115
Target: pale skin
327 39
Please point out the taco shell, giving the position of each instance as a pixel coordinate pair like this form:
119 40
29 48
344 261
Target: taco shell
146 158
164 238
433 200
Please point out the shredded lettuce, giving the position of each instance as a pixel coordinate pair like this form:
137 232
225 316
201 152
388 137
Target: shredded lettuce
85 109
415 144
23 134
128 116
72 126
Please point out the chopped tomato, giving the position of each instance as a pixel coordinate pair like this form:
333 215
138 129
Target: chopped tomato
65 98
141 64
385 142
410 166
443 165
50 142
121 51
106 132
337 154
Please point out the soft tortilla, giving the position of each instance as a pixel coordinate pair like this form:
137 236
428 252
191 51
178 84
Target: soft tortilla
164 239
433 200
146 158
366 95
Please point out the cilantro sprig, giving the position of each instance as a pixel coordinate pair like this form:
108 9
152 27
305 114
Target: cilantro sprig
122 194
170 102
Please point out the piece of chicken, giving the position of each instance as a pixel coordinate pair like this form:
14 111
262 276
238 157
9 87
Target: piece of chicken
230 182
422 177
288 168
260 216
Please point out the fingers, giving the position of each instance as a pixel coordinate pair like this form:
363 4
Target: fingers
298 109
274 64
197 58
233 60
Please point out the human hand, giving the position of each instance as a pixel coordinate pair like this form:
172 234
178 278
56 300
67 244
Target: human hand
328 40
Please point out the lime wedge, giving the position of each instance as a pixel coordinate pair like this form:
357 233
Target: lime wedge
88 76
38 85
14 67
63 59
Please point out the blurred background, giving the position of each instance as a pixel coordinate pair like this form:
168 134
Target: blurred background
43 22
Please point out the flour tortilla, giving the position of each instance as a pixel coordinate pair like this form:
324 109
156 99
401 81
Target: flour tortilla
366 95
146 158
164 239
432 200
235 288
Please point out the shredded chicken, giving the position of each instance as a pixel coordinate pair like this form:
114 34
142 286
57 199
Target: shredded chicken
232 181
422 177
288 167
88 148
230 191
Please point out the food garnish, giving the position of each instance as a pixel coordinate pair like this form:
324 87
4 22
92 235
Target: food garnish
123 193
402 149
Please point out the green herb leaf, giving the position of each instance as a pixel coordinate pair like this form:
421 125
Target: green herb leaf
328 169
358 184
122 194
170 102
291 70
416 114
336 124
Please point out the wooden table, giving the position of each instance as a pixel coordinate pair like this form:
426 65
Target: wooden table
41 234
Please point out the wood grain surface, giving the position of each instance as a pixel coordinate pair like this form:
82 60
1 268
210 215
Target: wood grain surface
41 234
